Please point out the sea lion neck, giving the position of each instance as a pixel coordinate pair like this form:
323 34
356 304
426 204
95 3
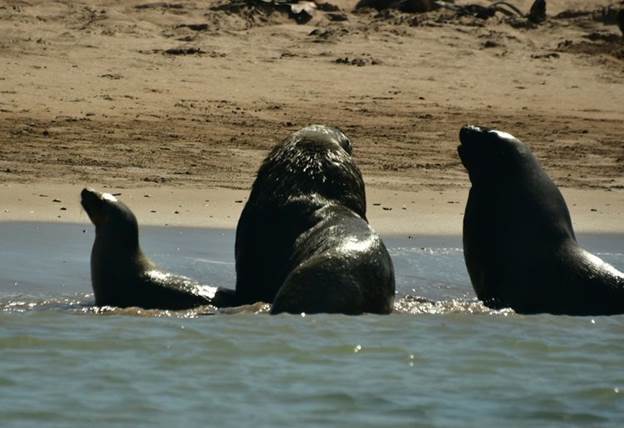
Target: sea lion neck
125 241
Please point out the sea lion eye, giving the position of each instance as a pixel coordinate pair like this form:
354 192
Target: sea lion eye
345 143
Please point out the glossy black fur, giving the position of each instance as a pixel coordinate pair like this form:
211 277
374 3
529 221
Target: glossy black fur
303 242
519 244
120 271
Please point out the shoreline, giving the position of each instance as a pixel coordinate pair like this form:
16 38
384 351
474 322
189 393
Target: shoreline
424 212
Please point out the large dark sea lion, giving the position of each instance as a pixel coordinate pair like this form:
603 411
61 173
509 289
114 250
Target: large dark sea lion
519 245
121 275
303 242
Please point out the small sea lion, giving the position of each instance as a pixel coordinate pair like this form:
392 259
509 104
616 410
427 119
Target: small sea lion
303 242
519 245
122 276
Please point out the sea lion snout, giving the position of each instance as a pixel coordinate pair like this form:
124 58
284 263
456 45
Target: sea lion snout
88 198
469 134
485 141
88 193
91 201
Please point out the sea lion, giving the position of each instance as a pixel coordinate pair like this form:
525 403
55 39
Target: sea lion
303 242
121 275
519 245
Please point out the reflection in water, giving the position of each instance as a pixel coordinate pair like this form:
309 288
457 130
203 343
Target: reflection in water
46 267
442 359
83 304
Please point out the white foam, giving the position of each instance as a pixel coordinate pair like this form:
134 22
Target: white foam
158 275
207 291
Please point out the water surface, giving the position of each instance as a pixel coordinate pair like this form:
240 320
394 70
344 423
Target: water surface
453 364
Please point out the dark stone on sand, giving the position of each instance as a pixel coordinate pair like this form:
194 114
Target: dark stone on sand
537 13
407 6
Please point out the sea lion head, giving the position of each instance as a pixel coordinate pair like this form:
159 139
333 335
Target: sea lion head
322 135
317 160
111 217
489 154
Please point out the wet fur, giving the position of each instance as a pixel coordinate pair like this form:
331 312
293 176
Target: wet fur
303 242
519 244
122 276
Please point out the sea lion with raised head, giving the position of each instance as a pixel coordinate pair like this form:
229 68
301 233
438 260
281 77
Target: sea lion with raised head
519 245
121 275
303 242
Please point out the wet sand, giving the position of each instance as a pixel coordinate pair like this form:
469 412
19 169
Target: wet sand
91 95
390 212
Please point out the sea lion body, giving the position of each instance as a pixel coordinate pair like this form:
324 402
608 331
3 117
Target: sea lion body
122 276
303 242
519 245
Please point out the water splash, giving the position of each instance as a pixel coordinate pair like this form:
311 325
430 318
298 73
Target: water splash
84 304
415 305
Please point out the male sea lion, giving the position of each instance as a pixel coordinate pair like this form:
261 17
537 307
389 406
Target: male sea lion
121 275
519 245
303 242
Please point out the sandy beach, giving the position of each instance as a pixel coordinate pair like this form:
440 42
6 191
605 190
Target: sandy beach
390 212
173 105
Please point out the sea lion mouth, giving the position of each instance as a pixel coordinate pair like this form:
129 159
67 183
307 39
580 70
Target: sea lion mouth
469 134
473 142
88 197
92 201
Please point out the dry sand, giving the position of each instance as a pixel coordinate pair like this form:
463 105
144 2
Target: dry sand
89 97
